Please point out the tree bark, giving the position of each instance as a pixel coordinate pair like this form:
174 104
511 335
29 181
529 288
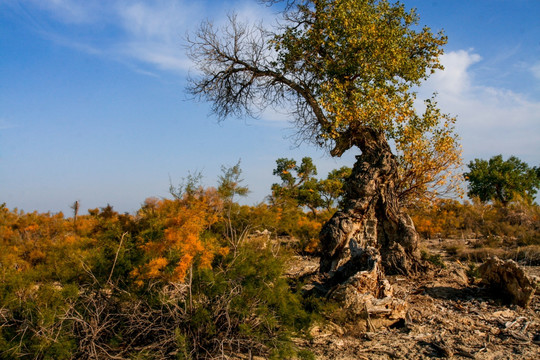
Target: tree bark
371 215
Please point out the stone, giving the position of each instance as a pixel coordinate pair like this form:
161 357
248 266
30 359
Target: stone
509 279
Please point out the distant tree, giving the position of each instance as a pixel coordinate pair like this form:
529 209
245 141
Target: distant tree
75 206
298 183
332 188
499 180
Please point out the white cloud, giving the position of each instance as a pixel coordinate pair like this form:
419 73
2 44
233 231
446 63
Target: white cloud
491 120
456 78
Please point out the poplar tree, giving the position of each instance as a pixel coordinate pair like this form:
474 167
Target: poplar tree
348 71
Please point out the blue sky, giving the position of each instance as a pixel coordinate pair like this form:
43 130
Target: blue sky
93 106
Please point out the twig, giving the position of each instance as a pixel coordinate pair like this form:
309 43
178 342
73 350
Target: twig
116 257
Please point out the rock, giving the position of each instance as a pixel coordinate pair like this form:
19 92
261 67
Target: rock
460 277
536 281
508 278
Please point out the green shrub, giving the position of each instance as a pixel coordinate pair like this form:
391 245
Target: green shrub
435 259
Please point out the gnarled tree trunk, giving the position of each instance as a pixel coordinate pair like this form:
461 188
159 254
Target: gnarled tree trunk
371 215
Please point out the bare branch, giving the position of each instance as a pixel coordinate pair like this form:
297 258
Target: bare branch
239 76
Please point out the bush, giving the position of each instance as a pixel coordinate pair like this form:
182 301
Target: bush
516 224
94 289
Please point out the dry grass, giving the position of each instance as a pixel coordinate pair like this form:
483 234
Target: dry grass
525 255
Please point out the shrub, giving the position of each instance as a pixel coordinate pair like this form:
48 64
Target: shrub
158 285
435 259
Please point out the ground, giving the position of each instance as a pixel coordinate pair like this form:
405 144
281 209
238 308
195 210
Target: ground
450 315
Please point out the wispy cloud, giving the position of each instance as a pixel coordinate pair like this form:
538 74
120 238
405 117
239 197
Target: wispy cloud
158 21
144 31
154 31
490 120
71 11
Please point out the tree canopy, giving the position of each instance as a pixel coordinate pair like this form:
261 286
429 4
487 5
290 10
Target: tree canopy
345 69
502 180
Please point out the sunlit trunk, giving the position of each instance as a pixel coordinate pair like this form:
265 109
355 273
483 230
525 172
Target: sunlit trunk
371 215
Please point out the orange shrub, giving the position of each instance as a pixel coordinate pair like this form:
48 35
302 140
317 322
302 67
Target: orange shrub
182 240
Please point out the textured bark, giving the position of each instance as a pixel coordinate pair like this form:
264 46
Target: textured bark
371 215
364 293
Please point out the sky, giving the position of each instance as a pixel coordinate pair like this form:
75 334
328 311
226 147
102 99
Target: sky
93 105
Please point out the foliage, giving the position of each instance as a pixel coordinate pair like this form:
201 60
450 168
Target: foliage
502 180
42 263
332 188
440 218
160 284
298 182
435 259
177 240
229 187
516 224
346 68
300 187
429 155
168 282
229 183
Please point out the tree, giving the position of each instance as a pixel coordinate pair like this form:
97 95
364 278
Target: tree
75 206
499 180
298 183
229 183
331 188
300 186
347 69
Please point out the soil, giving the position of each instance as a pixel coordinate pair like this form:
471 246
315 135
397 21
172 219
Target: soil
450 315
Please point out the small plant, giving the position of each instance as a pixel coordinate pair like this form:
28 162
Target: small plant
435 259
472 271
453 249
